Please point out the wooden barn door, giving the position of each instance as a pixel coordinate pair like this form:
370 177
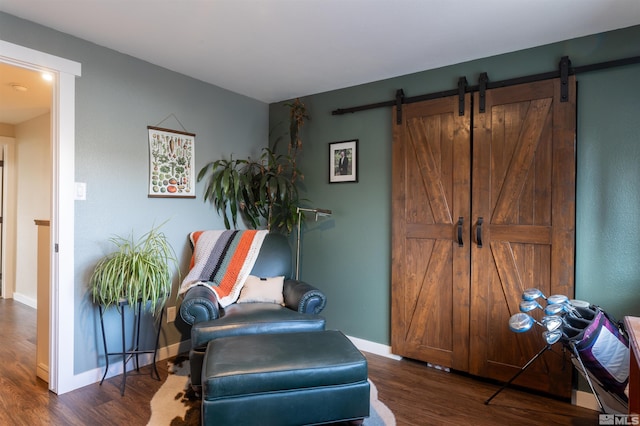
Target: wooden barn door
431 269
478 216
524 192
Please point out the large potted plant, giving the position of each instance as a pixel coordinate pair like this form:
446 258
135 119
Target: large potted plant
137 270
263 192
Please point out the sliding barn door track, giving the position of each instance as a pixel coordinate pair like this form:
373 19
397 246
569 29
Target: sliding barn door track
563 72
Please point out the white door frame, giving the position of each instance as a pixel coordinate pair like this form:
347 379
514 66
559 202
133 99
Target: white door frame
8 261
62 308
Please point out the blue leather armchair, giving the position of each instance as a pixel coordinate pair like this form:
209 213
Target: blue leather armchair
302 304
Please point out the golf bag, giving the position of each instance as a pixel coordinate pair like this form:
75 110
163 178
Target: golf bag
600 349
598 344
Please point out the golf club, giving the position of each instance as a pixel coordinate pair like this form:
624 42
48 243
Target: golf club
555 309
552 337
520 322
552 322
529 305
580 303
532 294
557 298
561 309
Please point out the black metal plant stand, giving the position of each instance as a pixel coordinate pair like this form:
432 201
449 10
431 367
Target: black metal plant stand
135 351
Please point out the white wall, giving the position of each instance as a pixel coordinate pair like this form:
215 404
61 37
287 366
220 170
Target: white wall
33 166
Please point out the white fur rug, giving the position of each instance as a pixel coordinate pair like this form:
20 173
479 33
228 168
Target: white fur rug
175 403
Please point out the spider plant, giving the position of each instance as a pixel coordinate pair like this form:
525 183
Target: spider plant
137 270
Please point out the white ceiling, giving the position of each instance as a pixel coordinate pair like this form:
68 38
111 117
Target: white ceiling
273 50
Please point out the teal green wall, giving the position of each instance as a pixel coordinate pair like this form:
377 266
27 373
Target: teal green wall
117 97
349 256
608 191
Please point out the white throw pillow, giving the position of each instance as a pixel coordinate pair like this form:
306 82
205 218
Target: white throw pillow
262 290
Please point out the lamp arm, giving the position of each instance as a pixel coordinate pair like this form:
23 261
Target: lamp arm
298 246
300 211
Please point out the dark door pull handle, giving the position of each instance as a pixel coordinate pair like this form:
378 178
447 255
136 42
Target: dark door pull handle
460 221
479 232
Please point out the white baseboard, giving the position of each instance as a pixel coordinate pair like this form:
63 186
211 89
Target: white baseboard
25 300
175 349
374 348
115 368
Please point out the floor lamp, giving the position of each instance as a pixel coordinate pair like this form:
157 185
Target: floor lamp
301 211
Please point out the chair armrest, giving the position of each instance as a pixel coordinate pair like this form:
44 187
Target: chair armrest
303 297
199 304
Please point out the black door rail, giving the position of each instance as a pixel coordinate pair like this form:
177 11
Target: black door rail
563 72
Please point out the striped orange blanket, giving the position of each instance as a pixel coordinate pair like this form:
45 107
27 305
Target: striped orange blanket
222 260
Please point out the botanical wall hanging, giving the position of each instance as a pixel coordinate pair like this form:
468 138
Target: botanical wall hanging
171 163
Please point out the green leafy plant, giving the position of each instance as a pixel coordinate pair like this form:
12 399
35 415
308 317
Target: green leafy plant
138 270
261 191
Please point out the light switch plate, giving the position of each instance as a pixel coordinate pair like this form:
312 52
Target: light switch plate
171 313
81 191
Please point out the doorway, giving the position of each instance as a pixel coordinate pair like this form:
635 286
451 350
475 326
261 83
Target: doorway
61 360
25 197
26 173
2 156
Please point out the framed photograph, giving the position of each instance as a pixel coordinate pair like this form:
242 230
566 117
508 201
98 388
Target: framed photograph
343 161
171 163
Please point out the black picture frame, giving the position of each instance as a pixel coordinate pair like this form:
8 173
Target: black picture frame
343 161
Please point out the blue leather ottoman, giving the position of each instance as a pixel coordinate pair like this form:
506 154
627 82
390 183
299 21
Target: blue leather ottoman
284 379
246 318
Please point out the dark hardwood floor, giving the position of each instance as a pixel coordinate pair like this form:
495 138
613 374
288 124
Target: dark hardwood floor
416 394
